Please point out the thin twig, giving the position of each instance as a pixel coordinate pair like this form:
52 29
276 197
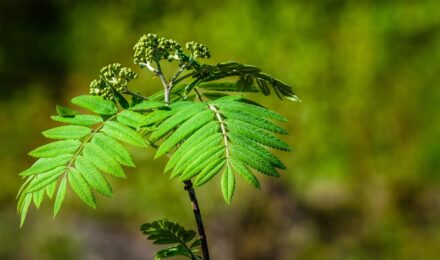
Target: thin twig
161 76
197 214
181 69
183 77
189 186
136 95
199 96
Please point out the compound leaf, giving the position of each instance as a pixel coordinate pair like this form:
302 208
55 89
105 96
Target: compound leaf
166 232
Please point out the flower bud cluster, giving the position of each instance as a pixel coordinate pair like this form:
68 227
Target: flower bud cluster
150 47
112 76
198 50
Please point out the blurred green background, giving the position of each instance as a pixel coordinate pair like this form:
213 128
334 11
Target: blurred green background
363 181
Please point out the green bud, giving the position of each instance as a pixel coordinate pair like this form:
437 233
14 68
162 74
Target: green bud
112 76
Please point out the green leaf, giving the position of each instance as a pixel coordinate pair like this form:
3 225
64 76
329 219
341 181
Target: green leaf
254 120
172 251
227 99
93 177
164 112
227 86
249 108
24 208
253 161
114 149
56 148
249 76
45 164
244 172
184 130
166 232
130 118
157 116
96 104
181 116
199 136
208 173
50 189
256 134
196 152
23 186
198 163
147 105
213 95
65 111
124 133
196 243
42 180
85 120
60 196
102 160
228 184
257 150
67 132
38 197
120 98
81 188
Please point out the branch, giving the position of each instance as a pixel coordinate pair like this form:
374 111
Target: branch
181 69
160 74
197 214
184 77
136 95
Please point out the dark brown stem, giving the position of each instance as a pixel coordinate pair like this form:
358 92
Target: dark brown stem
198 216
188 184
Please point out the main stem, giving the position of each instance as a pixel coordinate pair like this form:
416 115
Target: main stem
188 184
198 216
